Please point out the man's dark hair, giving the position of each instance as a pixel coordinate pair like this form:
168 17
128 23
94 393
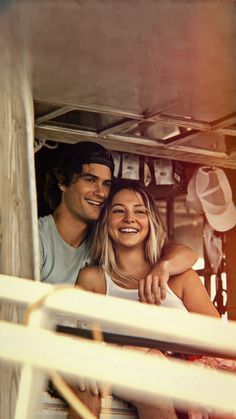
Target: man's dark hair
70 164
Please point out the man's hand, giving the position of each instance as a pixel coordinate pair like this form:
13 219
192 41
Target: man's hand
152 289
176 258
92 402
93 387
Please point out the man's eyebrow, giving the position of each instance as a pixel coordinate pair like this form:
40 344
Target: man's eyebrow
93 176
88 174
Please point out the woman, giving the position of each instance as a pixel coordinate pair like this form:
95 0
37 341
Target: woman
128 241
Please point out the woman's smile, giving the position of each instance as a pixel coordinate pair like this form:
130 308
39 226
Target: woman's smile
128 230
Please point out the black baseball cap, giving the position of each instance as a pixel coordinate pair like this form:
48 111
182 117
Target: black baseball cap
85 152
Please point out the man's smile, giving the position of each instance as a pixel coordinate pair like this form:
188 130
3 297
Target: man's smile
92 202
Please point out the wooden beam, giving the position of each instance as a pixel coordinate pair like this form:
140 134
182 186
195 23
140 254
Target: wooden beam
18 214
139 145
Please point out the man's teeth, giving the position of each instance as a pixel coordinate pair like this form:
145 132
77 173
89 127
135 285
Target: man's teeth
90 201
129 230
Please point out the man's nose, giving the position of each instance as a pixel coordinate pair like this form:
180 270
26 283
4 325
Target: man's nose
100 190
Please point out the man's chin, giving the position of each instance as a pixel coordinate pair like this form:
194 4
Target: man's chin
95 216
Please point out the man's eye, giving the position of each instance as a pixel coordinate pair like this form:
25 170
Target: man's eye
90 180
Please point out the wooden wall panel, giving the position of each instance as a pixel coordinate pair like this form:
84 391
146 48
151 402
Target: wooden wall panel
19 254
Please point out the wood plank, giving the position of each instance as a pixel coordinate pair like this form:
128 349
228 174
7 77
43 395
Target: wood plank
163 324
18 214
129 372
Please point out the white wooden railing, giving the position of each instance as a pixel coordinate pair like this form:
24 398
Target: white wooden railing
42 351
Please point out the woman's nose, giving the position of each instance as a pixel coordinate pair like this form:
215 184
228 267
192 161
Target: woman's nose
128 217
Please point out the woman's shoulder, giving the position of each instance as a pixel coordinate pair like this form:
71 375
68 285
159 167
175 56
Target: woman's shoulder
91 278
91 270
190 274
177 283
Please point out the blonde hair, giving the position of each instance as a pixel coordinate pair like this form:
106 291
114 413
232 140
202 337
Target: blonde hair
103 247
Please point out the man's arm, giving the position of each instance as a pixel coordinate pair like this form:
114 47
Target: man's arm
175 259
178 258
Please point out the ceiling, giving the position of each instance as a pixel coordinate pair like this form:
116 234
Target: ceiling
150 77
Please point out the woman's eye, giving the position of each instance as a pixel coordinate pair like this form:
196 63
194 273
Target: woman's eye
144 212
117 211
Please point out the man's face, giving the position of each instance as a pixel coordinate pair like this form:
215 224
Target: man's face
86 196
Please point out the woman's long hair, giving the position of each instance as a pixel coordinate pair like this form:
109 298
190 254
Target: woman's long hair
103 247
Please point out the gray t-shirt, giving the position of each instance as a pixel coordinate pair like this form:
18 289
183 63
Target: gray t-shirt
60 262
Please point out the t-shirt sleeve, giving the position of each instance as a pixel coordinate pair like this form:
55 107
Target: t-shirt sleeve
42 253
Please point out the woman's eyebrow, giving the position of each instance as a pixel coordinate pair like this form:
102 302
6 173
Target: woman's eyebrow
114 205
122 205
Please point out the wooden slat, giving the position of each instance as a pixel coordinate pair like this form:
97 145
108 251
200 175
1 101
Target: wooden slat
176 348
163 324
130 373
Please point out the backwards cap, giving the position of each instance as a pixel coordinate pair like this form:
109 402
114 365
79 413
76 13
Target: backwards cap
209 192
85 153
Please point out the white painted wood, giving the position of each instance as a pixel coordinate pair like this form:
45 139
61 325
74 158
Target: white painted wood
126 317
22 292
29 401
32 381
129 372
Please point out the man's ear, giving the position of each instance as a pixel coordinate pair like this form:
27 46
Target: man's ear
61 187
60 182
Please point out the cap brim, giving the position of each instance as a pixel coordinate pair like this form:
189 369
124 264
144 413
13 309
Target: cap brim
192 199
223 221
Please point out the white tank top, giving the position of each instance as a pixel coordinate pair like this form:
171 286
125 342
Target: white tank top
114 290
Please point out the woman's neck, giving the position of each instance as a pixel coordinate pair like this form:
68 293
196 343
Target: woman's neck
132 262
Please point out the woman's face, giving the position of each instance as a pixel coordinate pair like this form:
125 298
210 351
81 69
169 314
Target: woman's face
128 223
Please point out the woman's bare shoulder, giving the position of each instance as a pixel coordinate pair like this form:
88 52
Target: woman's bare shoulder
193 293
90 270
91 278
178 282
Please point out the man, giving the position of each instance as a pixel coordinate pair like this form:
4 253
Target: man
76 190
